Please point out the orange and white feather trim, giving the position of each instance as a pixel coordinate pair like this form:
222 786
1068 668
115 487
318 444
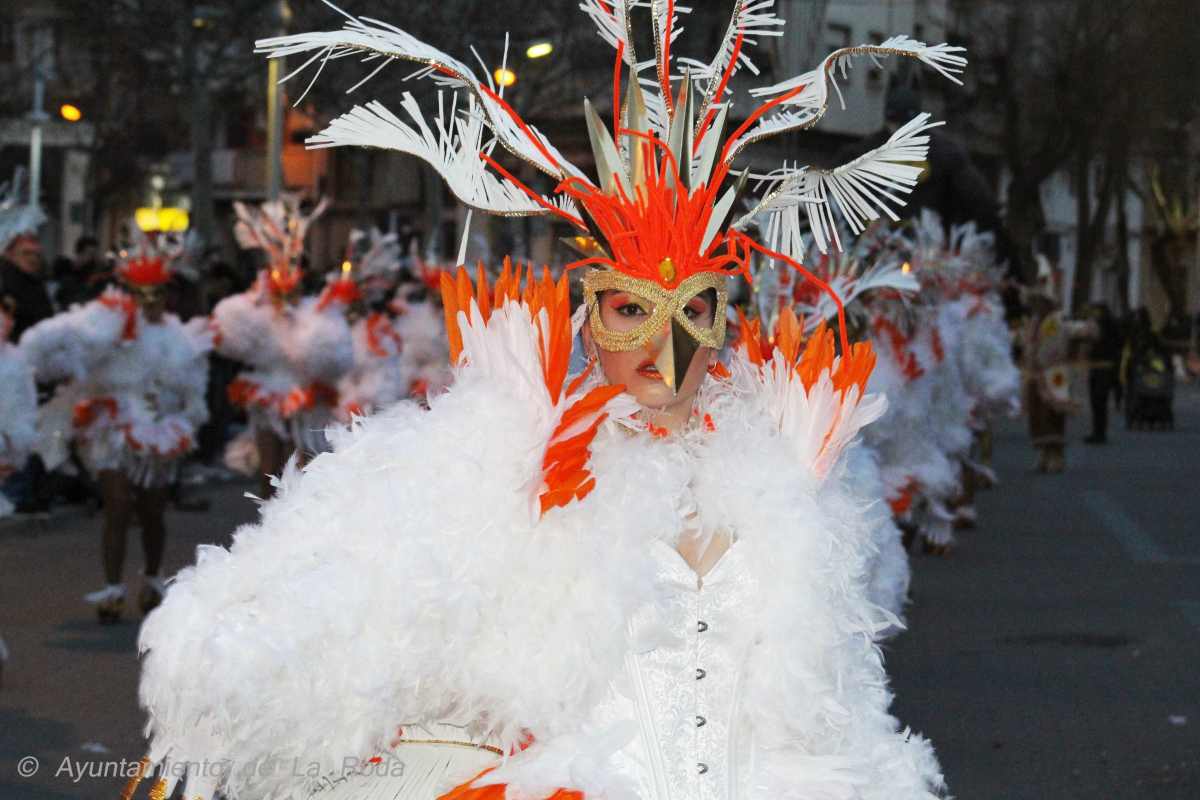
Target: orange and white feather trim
817 397
523 324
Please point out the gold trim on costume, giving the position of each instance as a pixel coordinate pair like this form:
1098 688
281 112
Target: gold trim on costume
668 304
132 785
473 746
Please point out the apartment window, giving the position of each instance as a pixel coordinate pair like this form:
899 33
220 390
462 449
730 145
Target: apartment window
838 36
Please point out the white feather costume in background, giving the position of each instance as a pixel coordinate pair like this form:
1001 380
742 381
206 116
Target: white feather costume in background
296 354
948 417
377 378
424 356
959 271
413 582
905 440
18 409
992 376
945 363
133 392
297 351
18 394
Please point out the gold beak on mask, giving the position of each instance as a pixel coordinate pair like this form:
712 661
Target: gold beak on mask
684 336
676 356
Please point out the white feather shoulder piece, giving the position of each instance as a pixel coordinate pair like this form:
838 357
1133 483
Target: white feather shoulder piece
18 407
65 346
817 399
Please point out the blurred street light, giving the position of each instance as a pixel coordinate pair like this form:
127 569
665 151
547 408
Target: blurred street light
165 220
539 50
504 77
70 112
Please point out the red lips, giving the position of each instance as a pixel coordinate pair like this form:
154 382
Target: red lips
647 370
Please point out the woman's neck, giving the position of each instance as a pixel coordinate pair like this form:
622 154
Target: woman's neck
674 417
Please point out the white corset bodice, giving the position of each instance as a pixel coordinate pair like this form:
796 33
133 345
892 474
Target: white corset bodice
682 681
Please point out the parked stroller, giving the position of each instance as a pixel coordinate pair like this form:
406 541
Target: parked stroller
1150 392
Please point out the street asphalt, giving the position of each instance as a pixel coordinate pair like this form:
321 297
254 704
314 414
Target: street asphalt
1055 654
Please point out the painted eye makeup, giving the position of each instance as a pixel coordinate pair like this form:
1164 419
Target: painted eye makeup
696 308
626 306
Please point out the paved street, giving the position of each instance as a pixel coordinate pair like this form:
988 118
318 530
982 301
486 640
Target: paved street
1055 654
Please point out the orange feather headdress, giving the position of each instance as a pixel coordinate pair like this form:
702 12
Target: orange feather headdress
147 264
661 218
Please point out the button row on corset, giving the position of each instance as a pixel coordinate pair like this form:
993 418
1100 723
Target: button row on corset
701 767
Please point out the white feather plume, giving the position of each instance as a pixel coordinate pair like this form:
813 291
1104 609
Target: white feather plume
452 147
752 19
808 106
383 43
859 191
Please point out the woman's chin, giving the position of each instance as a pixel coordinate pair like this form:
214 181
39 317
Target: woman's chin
653 395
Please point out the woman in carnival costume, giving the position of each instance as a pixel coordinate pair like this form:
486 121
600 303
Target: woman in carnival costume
18 418
297 348
18 394
918 442
647 580
377 379
18 408
959 274
132 400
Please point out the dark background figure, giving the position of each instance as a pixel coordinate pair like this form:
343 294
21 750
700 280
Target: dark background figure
83 278
1140 340
185 296
220 280
1176 337
22 285
1102 371
951 185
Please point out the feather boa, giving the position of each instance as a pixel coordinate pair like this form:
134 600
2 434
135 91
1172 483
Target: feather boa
400 579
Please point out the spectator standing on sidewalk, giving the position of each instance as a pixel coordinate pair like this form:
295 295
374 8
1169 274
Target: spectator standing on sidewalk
22 286
1102 370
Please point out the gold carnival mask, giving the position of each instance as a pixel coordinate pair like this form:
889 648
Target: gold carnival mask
663 307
